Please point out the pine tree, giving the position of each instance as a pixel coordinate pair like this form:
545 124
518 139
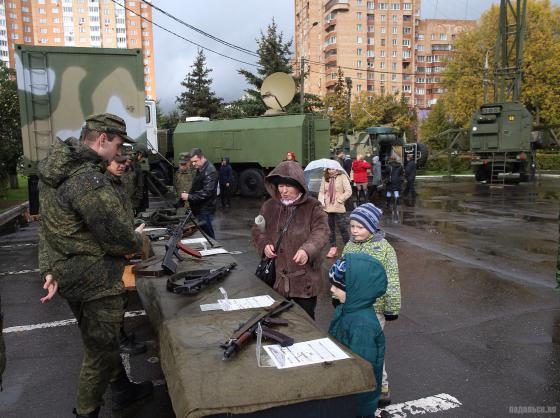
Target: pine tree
11 147
198 99
274 55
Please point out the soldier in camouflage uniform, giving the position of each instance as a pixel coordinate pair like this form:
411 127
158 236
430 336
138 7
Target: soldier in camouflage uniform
85 234
184 178
113 173
135 179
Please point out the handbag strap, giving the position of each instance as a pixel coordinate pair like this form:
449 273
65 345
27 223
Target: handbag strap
279 240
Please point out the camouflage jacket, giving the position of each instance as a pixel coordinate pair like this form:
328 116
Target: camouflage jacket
85 230
183 181
123 194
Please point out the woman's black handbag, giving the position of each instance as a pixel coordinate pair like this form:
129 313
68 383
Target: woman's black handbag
266 270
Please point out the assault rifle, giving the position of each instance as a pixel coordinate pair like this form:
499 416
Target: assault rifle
174 244
192 282
245 332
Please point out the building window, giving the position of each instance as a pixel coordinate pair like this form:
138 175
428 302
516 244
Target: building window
359 75
395 6
359 87
383 42
26 19
382 53
406 42
359 27
370 5
370 53
43 30
359 40
56 30
132 23
370 41
82 29
395 30
67 9
359 64
359 51
27 29
406 88
406 54
15 36
54 10
27 38
394 66
407 30
442 37
44 40
395 42
382 6
382 77
382 66
394 54
383 18
56 20
133 42
358 2
370 28
94 18
395 18
13 25
57 40
407 6
42 21
359 15
42 11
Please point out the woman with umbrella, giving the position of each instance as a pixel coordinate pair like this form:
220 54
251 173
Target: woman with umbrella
335 189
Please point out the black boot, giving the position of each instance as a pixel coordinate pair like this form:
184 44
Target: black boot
388 200
124 392
92 414
128 345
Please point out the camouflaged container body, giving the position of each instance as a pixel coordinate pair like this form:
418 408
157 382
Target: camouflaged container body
59 87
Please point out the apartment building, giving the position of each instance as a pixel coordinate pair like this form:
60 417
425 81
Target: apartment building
83 23
376 43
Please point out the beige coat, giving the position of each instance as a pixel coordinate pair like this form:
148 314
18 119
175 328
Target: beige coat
343 193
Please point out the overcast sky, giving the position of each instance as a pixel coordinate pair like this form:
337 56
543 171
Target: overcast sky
240 22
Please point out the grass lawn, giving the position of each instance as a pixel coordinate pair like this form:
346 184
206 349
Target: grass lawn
12 197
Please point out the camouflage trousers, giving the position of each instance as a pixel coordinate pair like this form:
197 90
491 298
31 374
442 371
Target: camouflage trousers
99 321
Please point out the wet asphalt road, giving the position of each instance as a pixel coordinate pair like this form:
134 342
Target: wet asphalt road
480 318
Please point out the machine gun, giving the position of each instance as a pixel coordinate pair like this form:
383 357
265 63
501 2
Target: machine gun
174 244
245 332
192 282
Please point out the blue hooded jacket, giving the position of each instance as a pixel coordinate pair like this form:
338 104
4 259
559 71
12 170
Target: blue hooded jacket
355 323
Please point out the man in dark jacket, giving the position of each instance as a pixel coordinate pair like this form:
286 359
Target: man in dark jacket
410 175
202 196
394 172
226 180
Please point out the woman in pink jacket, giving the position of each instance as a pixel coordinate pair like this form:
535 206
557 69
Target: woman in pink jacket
360 169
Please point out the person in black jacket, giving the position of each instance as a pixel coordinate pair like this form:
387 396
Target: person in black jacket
202 196
394 171
410 175
226 180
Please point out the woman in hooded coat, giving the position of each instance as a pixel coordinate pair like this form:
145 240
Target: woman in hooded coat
298 260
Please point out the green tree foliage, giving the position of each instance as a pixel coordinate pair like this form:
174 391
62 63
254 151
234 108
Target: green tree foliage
198 99
436 123
336 104
274 55
369 109
10 131
463 77
170 120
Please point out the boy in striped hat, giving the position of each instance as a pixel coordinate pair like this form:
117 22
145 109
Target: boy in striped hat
367 237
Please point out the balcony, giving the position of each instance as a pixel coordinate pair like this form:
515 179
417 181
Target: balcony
334 5
331 59
329 23
330 83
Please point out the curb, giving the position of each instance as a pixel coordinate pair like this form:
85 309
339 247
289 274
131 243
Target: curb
13 213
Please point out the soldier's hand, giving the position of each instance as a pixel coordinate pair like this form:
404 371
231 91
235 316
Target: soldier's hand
140 229
51 286
184 196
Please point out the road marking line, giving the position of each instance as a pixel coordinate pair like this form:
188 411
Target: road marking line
9 273
64 322
19 245
436 403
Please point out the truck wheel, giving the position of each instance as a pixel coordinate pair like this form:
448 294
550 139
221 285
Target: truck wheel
251 183
423 151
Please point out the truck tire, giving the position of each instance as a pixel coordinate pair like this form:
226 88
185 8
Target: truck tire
423 151
251 183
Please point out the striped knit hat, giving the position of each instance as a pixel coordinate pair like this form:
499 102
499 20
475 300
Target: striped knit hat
368 215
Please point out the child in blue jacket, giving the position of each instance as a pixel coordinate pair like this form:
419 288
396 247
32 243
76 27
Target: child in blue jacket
357 281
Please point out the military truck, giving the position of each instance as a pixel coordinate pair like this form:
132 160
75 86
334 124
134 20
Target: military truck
383 142
255 145
58 87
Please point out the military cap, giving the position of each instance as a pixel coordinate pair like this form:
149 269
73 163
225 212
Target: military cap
121 158
184 158
140 148
112 124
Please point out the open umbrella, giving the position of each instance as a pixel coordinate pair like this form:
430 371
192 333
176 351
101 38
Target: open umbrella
314 172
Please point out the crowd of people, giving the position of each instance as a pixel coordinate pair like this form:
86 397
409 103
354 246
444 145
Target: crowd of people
89 199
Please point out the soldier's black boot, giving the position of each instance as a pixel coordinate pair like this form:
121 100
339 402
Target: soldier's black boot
388 202
124 392
129 345
92 414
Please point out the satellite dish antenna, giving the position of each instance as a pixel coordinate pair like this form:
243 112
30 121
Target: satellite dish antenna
277 91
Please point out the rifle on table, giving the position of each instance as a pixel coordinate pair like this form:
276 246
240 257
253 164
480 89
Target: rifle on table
245 332
192 282
174 244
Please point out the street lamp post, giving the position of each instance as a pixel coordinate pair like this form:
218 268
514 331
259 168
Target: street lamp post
302 67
